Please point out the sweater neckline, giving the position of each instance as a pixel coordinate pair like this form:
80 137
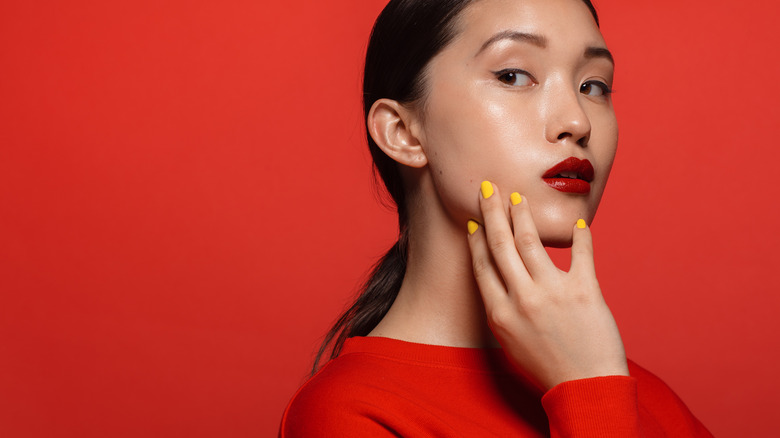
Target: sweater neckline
482 359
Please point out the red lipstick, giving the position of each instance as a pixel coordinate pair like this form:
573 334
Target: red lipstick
571 175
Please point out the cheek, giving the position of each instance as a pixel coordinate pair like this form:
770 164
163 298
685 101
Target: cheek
604 143
463 151
452 139
455 183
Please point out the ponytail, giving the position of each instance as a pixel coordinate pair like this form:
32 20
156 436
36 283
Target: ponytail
379 292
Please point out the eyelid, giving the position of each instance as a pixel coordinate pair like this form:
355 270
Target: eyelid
511 70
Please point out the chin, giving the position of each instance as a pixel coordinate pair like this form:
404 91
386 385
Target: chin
555 221
557 234
557 241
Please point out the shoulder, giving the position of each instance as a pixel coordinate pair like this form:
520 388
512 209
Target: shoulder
341 399
378 387
340 380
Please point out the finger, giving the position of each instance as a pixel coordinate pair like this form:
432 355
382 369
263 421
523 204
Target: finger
582 248
500 241
526 238
489 282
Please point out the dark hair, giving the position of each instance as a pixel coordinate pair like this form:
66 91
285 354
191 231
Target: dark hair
406 36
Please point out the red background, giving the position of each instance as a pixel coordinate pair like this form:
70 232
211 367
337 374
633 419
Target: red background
186 205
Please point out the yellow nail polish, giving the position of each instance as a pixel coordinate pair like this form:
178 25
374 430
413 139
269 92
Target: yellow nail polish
487 189
515 198
581 223
473 227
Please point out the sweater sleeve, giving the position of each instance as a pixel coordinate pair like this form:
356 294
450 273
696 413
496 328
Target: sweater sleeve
619 406
595 407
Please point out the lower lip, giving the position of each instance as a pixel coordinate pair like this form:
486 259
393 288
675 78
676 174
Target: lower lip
569 185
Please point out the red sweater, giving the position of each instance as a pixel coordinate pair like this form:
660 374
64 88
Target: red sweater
381 387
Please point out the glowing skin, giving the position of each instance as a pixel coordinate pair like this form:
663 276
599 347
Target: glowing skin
485 121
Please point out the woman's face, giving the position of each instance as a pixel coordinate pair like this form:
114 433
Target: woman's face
521 88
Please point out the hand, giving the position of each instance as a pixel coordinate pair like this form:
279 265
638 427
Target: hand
553 325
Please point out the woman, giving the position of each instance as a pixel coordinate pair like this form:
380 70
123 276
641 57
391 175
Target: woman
491 125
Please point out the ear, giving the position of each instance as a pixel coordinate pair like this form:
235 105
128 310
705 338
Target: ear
395 129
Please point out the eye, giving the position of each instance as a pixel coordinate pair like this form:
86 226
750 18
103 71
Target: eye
514 77
595 89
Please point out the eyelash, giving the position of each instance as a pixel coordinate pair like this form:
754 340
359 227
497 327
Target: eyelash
605 89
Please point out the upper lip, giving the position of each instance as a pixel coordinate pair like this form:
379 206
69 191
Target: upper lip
572 165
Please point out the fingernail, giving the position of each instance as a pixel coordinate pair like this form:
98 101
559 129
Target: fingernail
581 223
487 189
473 226
515 198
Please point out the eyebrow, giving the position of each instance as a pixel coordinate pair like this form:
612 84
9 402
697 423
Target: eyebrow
599 52
541 41
536 40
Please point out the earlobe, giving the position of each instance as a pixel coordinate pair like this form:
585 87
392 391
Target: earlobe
391 125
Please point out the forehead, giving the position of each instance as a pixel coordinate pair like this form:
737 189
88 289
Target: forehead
565 23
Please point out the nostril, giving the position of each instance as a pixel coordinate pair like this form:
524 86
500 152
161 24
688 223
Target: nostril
582 141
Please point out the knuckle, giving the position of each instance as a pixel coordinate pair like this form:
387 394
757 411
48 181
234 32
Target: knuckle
498 244
585 293
500 316
581 297
525 239
532 304
481 267
583 249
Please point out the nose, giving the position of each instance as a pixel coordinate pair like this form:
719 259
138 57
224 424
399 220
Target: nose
567 120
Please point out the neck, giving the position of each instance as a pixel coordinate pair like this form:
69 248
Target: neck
439 302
